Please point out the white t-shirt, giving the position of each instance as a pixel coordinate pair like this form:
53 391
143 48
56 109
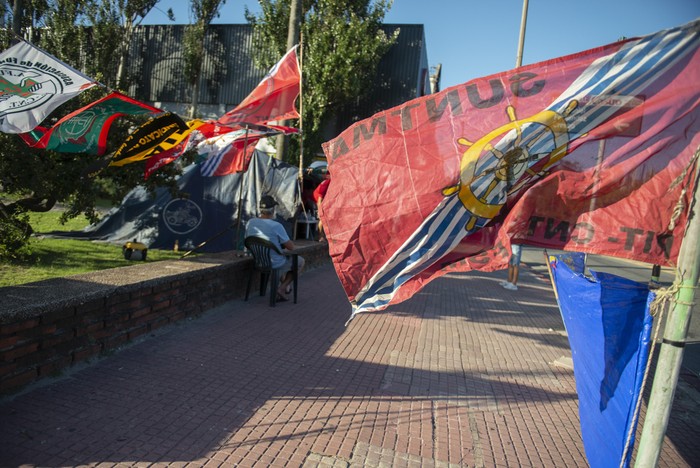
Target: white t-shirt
271 230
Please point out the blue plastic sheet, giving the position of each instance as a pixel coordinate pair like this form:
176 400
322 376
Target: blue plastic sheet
609 327
576 261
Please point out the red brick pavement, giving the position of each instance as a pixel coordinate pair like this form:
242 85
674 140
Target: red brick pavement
463 374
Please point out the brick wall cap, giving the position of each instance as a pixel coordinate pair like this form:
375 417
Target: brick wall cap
29 300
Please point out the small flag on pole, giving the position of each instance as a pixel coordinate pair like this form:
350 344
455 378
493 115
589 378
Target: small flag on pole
273 98
32 85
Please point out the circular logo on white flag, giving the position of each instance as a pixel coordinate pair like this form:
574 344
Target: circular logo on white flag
23 88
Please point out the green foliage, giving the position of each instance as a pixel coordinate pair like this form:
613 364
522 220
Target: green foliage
14 234
203 12
84 34
342 46
60 35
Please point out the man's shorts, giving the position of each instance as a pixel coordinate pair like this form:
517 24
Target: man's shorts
287 267
516 252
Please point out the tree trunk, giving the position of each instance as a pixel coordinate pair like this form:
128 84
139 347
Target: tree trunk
124 52
17 13
292 40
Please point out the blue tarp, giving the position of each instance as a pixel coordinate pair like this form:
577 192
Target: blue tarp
208 212
609 327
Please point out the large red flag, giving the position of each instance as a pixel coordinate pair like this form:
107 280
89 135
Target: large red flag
273 98
591 152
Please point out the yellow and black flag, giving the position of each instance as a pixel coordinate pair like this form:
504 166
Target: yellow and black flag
141 143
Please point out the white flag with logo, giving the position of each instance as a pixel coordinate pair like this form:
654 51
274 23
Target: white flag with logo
32 84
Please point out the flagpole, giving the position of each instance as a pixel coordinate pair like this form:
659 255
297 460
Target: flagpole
673 342
293 31
301 109
521 39
240 190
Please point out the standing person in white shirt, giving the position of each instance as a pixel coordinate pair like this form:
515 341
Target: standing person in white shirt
513 268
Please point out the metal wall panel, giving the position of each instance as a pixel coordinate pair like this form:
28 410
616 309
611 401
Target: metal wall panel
229 74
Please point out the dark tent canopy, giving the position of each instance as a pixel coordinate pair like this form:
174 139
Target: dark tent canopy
209 212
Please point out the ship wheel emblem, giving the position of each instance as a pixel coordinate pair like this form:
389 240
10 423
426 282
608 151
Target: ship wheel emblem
503 160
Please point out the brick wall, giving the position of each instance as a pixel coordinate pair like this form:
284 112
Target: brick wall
48 326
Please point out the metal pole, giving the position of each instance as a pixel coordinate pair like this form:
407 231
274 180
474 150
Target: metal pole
673 343
301 109
240 191
521 40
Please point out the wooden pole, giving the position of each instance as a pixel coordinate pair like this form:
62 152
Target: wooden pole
292 39
673 343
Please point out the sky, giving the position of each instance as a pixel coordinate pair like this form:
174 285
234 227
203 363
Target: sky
472 39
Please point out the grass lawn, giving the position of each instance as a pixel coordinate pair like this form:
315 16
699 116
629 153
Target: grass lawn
53 258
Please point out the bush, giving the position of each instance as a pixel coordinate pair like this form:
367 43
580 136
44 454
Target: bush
15 231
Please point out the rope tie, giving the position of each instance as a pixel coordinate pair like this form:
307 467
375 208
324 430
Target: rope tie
664 296
677 210
682 175
681 205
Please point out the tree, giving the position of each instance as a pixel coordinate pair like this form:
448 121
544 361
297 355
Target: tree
82 34
203 12
342 43
109 22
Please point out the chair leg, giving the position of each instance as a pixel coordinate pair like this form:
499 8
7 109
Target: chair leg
250 282
263 282
294 280
295 276
274 284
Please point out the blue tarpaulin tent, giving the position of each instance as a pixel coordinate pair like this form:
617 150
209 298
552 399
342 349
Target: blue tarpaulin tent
209 208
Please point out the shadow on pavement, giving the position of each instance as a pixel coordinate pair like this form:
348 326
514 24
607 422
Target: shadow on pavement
181 393
245 378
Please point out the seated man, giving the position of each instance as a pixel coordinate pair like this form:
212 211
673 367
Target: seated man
266 227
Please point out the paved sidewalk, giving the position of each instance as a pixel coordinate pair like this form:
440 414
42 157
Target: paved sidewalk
463 374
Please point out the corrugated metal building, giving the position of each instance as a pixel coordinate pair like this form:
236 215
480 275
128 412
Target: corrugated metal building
229 74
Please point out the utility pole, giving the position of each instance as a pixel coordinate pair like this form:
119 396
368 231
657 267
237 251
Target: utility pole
521 40
673 343
292 40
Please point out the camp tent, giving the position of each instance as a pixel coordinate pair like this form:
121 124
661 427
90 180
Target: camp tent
207 212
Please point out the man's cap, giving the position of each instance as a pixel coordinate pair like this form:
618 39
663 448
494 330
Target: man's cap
267 202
